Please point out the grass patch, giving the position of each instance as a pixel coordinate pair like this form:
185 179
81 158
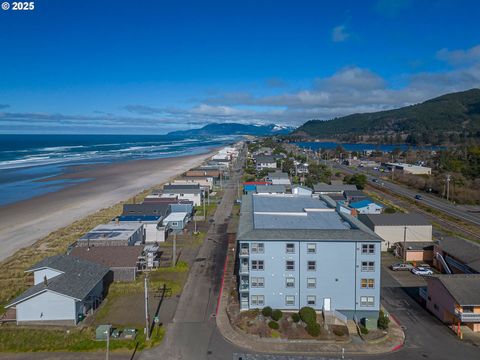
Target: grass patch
17 339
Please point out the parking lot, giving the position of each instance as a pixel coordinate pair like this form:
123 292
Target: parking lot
404 278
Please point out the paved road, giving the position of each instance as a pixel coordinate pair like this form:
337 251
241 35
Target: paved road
193 334
432 201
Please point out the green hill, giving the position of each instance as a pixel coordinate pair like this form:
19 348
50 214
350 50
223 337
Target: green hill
446 119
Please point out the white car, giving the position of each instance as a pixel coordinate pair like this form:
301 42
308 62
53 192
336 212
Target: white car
422 271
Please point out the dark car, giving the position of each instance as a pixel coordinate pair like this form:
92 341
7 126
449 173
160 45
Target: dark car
418 197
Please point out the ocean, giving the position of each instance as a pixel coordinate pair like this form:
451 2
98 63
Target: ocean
27 162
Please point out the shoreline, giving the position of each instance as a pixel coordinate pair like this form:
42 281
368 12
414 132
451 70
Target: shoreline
25 222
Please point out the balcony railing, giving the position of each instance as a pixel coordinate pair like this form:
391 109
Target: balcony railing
244 286
244 269
467 316
243 252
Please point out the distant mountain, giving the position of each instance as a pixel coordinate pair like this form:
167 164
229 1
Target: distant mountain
445 119
235 129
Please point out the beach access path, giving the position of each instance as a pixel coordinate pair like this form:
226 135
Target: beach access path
24 222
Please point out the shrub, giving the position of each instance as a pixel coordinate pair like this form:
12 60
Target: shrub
338 332
313 329
277 315
383 321
267 311
308 315
273 325
363 329
390 210
295 317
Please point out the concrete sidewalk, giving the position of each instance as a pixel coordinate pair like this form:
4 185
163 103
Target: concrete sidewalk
393 341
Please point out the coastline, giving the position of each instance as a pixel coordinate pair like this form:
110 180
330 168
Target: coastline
24 222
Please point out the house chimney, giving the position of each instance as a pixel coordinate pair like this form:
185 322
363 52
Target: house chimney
45 280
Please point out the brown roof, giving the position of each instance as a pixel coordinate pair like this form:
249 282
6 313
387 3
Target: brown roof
109 256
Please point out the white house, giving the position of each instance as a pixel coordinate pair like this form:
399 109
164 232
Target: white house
366 206
191 192
263 162
301 190
278 178
65 290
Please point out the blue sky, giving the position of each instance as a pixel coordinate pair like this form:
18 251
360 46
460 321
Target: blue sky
153 66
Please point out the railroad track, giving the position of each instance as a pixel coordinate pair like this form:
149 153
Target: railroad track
403 202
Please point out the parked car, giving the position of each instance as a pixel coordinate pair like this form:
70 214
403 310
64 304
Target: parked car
375 180
401 267
422 271
418 197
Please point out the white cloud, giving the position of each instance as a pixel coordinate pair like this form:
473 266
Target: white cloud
339 33
460 57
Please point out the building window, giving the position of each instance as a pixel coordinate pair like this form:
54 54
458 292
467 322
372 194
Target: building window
257 265
368 283
368 248
290 282
311 283
311 265
258 282
367 301
257 300
257 248
289 265
289 300
311 300
174 223
290 248
311 248
368 266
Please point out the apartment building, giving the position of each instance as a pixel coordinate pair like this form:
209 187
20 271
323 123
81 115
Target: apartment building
297 251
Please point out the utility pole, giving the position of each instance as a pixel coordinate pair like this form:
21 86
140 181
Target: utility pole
107 355
174 250
405 244
448 187
147 320
393 171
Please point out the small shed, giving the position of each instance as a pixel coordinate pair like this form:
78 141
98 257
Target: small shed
102 331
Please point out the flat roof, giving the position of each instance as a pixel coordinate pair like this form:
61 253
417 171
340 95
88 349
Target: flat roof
109 256
297 218
271 188
176 216
398 219
112 231
321 187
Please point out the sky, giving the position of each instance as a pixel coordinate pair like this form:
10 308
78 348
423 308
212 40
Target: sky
149 67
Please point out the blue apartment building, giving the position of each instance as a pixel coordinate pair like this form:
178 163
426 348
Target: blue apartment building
297 251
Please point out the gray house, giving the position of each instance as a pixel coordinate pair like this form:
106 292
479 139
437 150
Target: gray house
271 189
65 289
297 251
114 234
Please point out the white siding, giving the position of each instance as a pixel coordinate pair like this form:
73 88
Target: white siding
47 306
154 234
393 234
39 275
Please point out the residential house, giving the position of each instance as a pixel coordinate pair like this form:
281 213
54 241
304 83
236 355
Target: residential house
353 196
455 299
301 168
279 178
114 234
263 162
122 261
65 290
203 171
297 251
150 215
251 186
366 206
176 221
398 227
191 192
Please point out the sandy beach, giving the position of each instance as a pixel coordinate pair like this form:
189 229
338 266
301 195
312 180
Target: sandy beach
24 222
